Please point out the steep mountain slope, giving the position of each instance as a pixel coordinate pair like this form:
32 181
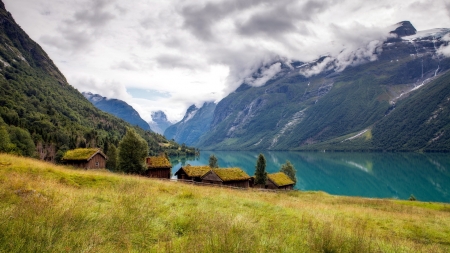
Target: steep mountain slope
194 124
297 110
40 109
117 108
159 122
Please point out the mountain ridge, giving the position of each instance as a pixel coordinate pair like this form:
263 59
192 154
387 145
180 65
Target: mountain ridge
118 108
301 112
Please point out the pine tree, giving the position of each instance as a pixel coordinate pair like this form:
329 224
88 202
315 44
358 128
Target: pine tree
260 172
289 170
132 152
213 162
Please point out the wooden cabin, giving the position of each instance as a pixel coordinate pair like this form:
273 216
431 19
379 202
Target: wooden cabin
87 158
227 176
158 167
279 181
193 173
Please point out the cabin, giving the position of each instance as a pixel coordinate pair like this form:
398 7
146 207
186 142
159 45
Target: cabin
193 173
279 181
86 158
227 176
158 167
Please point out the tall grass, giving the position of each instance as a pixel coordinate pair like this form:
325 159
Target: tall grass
48 208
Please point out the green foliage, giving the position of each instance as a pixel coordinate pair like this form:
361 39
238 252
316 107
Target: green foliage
260 172
213 162
418 122
111 163
412 198
79 154
289 170
22 140
5 143
132 152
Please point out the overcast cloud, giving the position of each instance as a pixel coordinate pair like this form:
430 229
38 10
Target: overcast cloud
202 50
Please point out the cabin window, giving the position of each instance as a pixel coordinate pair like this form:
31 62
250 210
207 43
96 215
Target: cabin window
96 164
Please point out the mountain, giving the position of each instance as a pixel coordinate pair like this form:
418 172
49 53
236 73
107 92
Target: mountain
394 99
159 122
195 123
117 108
41 115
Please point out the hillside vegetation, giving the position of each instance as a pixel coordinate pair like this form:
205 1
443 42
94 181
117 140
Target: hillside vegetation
48 208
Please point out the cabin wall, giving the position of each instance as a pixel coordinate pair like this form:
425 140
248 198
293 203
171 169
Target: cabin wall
271 185
211 178
240 183
158 173
97 162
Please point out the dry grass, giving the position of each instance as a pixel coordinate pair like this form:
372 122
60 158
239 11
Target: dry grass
47 208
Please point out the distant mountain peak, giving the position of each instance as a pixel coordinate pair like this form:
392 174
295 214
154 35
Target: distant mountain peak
159 122
159 116
404 28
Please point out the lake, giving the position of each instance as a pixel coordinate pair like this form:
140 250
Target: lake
375 175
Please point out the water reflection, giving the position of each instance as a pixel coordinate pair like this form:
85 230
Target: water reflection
383 175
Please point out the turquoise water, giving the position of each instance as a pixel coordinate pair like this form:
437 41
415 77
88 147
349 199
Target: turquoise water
376 175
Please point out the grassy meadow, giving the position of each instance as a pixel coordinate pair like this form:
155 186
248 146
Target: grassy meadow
49 208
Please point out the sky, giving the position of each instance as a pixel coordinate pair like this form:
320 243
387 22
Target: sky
167 55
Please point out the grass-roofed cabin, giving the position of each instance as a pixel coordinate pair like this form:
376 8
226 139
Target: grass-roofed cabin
280 181
87 158
193 173
229 176
158 167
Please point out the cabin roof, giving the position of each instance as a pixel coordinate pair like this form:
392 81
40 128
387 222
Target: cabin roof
280 179
194 171
82 154
231 174
157 162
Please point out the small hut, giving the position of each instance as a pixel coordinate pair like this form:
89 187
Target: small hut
227 176
158 167
280 181
87 158
193 173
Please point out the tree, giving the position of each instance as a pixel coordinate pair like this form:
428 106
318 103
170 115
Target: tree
132 152
21 138
213 163
5 143
289 170
111 163
260 172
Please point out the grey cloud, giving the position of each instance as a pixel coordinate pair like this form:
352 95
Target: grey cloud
124 65
83 29
176 61
283 17
200 19
271 23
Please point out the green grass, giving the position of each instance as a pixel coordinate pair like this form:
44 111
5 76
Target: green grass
48 208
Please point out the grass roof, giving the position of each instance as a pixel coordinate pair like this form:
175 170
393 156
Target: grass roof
231 174
196 171
158 162
80 154
280 179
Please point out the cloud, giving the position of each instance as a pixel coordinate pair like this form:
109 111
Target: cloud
125 65
444 49
109 89
266 73
83 28
176 61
